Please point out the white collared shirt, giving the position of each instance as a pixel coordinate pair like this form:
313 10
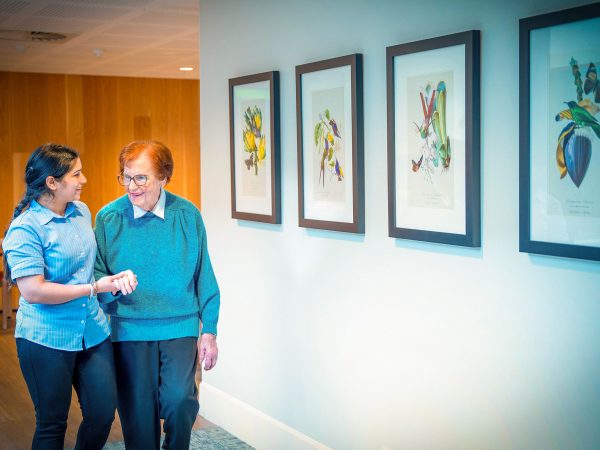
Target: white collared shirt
158 210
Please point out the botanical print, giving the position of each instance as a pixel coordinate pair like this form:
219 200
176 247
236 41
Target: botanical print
574 105
431 168
254 146
254 140
328 132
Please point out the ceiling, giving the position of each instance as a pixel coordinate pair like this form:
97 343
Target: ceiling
136 38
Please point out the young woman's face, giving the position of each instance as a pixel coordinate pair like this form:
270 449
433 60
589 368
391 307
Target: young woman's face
69 187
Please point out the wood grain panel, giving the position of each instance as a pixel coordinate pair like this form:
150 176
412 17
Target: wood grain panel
98 116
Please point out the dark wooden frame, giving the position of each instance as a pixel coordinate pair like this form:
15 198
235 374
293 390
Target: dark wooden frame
273 79
472 236
525 27
358 176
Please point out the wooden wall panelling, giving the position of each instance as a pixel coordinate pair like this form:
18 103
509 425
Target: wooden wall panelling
105 107
74 112
186 142
6 178
32 112
98 116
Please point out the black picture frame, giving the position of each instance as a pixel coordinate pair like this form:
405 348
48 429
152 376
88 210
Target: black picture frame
408 222
312 201
552 219
265 204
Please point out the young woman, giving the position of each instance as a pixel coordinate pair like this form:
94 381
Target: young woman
61 333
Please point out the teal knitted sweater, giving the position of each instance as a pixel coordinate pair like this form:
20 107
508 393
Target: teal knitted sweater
176 288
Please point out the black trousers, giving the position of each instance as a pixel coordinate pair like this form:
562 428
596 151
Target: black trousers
155 380
50 374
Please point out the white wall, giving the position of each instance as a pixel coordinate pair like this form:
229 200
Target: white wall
366 342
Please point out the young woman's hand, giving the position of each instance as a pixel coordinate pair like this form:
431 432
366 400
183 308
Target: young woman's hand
125 282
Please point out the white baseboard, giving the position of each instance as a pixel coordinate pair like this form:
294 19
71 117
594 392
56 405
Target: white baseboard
252 426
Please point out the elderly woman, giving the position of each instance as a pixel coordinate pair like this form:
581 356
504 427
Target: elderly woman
161 237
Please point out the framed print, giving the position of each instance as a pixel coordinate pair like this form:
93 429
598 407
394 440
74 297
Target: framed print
329 114
559 136
433 140
254 142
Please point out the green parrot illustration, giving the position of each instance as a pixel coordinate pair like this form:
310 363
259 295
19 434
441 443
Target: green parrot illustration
583 118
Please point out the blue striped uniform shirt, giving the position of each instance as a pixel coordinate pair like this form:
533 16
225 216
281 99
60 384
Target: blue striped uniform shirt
62 250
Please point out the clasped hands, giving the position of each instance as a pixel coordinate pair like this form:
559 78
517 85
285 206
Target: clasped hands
124 282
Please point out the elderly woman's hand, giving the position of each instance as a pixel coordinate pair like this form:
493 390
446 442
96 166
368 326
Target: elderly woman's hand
112 283
208 351
125 281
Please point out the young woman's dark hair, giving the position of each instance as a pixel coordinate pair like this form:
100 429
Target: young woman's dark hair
48 160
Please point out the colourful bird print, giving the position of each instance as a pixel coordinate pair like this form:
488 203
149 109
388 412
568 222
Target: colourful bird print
447 156
338 170
592 84
583 118
417 165
577 76
586 104
436 150
574 146
327 137
249 162
334 127
427 113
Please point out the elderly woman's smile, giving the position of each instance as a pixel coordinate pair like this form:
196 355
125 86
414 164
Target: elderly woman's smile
144 187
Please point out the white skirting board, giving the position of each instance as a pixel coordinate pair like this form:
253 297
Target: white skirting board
252 426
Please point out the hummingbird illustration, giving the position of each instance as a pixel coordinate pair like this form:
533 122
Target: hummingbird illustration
334 127
427 113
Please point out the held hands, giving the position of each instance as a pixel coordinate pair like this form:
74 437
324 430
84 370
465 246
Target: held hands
208 351
125 281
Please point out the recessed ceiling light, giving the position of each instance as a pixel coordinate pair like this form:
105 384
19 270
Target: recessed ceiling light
186 69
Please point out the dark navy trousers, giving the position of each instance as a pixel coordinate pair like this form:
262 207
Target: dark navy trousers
155 380
50 374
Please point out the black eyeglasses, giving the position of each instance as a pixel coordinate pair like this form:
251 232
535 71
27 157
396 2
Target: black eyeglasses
138 180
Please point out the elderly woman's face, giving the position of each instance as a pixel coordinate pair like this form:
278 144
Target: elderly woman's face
147 195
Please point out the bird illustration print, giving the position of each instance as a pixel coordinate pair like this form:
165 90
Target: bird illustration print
574 146
436 145
327 138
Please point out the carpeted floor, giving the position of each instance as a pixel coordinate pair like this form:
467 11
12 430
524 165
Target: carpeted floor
205 439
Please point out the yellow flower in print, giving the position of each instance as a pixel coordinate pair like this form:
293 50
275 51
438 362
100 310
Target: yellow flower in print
249 141
257 120
261 149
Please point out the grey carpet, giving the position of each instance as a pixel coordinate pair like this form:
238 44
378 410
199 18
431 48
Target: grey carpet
206 439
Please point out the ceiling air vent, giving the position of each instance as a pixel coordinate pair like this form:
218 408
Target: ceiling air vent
41 36
34 36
